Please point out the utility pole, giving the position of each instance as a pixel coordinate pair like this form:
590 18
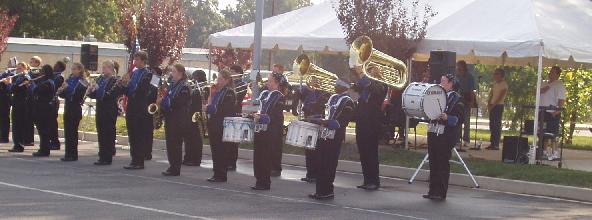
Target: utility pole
257 49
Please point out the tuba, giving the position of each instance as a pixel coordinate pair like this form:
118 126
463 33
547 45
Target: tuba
309 72
393 71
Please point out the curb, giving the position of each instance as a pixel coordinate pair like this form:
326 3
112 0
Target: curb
488 183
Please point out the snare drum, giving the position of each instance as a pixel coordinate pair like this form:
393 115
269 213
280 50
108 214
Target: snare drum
424 101
238 129
303 134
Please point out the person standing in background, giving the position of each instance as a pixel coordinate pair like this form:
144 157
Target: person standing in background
466 89
34 71
43 92
495 106
553 94
194 142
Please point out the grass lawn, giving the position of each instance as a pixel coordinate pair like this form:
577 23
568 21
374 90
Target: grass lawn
411 159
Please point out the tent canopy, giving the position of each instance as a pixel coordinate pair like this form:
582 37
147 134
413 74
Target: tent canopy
509 32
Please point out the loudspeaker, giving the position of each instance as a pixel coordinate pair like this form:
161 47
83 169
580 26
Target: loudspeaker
441 63
89 56
515 149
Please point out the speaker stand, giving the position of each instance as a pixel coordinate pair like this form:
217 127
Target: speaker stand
87 115
461 162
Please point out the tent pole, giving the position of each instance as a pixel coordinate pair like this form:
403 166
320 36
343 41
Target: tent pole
409 76
532 157
257 49
209 63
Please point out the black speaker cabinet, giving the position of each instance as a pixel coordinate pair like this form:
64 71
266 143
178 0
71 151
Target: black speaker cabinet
441 63
515 149
89 56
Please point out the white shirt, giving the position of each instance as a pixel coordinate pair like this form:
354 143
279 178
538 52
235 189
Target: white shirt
555 93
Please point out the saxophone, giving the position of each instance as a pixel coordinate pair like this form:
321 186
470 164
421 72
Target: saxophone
154 108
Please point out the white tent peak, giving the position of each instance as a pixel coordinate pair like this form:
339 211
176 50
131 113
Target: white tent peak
477 30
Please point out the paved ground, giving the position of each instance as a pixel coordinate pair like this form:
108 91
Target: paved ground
46 188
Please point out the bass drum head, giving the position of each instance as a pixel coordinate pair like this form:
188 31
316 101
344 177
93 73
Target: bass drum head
412 100
434 101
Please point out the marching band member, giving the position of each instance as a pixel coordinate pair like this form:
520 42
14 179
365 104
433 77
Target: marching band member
34 70
177 115
442 136
139 122
340 108
194 142
19 105
277 148
5 101
106 114
268 140
54 141
241 92
43 91
73 91
222 104
369 124
313 107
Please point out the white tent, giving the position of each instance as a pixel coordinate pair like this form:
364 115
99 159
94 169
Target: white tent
492 32
510 32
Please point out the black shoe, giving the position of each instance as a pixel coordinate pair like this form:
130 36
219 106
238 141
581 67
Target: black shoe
191 163
372 186
321 197
308 180
16 149
148 157
171 173
231 168
133 167
29 144
434 197
275 173
260 187
68 159
363 186
216 180
40 154
102 163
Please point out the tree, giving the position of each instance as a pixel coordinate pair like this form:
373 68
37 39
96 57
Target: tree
7 21
163 31
65 19
244 12
225 57
207 21
129 14
578 83
394 28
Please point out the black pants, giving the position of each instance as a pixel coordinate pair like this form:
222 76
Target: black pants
221 151
277 146
439 153
193 145
139 129
233 154
41 118
328 158
105 121
495 124
72 116
367 137
312 161
53 124
29 127
19 116
262 158
175 132
4 117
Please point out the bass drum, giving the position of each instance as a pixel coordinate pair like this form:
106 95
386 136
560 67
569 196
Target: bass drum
424 101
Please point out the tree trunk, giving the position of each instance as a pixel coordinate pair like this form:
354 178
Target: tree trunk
572 126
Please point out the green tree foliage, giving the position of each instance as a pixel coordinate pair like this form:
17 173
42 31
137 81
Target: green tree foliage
207 21
65 19
578 83
244 12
